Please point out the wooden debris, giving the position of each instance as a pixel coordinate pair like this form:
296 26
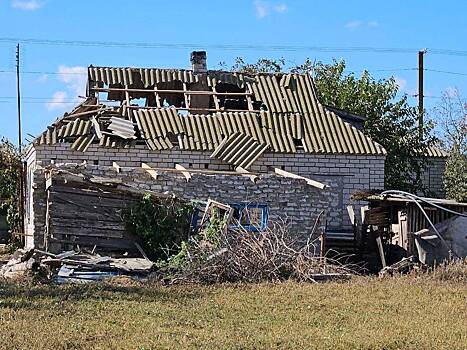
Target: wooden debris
184 172
246 173
154 174
117 167
295 176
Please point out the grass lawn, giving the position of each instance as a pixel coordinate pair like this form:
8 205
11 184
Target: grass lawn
393 313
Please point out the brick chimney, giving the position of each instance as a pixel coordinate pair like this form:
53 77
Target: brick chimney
198 61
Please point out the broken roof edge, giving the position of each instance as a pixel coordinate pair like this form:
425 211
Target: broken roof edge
207 72
76 171
373 148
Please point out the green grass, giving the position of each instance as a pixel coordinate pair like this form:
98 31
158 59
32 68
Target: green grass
394 313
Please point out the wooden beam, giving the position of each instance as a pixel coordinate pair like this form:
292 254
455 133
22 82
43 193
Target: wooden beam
154 174
185 95
173 91
379 243
351 213
184 172
248 97
117 167
246 173
97 127
295 176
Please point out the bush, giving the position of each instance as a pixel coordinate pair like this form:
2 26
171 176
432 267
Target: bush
161 224
455 176
10 174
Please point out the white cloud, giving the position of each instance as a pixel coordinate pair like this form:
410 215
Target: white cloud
30 5
352 25
74 77
401 83
281 8
265 8
262 8
58 101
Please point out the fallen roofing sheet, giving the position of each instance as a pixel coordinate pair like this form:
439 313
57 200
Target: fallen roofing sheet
240 150
122 128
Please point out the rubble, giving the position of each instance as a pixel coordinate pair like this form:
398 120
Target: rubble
76 266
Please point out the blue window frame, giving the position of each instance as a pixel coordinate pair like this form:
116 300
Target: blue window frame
250 216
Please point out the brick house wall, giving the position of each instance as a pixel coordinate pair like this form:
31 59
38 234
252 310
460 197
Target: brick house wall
291 202
344 174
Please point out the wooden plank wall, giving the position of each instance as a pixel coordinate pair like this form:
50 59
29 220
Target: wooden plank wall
88 216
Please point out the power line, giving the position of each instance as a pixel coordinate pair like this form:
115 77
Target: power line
445 72
39 72
233 47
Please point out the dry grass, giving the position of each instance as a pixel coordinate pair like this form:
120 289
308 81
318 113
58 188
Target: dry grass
411 312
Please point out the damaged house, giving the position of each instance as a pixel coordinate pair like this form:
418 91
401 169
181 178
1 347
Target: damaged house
262 143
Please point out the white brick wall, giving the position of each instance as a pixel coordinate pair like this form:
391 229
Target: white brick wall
350 172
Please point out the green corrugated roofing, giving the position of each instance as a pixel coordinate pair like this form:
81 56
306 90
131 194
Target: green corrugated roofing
292 116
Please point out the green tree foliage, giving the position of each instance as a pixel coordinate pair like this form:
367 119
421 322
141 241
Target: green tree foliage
455 176
10 172
391 121
161 224
452 114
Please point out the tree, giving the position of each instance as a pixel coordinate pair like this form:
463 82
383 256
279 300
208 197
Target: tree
10 174
452 113
391 121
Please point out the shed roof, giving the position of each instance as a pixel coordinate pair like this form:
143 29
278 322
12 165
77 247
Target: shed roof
283 113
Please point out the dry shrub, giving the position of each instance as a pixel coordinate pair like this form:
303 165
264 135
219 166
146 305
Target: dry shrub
243 256
454 271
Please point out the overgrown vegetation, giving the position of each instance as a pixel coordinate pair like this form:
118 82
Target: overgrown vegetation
391 121
10 175
452 113
218 256
161 224
424 311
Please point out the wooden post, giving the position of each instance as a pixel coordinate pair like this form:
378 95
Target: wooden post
420 92
379 243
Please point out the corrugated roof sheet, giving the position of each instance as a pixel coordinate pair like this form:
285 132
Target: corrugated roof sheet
134 76
240 150
292 117
437 152
122 127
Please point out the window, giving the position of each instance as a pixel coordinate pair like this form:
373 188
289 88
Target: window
247 216
250 216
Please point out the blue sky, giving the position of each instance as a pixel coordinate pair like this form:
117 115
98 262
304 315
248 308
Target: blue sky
53 78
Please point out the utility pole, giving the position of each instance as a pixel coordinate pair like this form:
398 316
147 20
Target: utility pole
19 98
420 92
21 170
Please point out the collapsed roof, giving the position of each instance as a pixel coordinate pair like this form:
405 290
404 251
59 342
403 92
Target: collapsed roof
234 115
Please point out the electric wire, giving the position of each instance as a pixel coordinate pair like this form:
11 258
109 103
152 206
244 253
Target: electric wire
281 48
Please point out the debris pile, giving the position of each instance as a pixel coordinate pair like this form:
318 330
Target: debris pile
73 266
217 255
